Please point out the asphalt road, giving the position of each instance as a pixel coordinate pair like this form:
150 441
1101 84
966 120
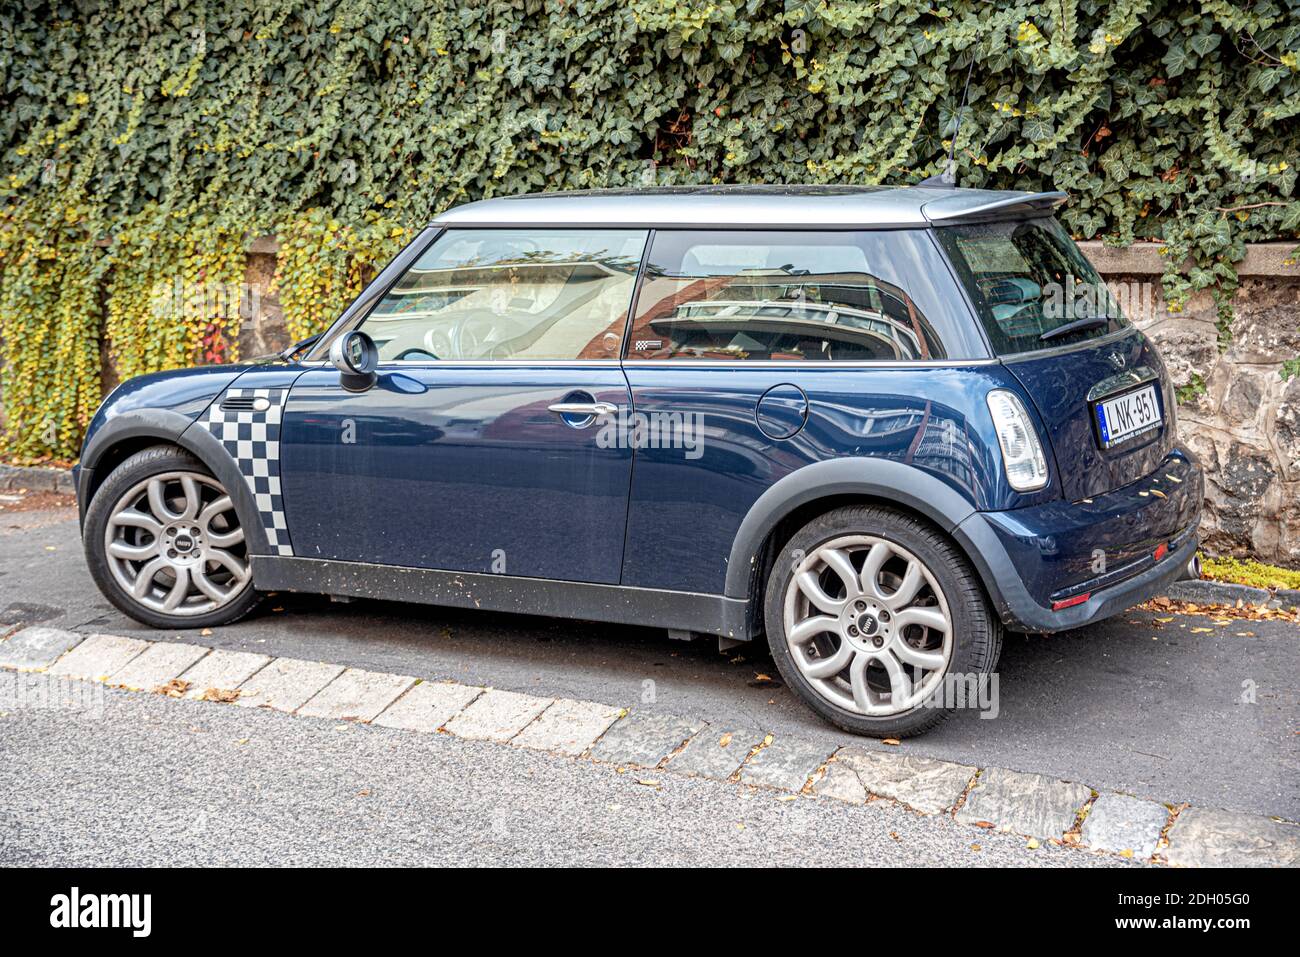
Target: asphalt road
1134 704
156 781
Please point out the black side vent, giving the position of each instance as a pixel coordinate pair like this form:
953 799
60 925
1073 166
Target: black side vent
238 403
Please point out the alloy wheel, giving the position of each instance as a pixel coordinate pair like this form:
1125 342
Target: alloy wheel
175 545
867 625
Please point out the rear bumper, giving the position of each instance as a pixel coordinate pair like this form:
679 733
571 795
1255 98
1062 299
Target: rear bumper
1104 548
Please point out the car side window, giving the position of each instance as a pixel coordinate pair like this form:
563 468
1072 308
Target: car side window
543 294
795 295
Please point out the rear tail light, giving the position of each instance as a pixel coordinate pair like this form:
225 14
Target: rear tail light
1022 453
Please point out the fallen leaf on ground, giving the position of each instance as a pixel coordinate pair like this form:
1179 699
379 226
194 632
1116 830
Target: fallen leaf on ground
220 694
1033 844
725 740
175 688
891 741
1164 605
205 632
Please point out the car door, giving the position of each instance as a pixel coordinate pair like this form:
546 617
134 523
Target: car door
485 444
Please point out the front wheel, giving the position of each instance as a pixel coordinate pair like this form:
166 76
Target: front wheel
165 545
870 613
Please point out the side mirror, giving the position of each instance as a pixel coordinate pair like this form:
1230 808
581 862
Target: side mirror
356 357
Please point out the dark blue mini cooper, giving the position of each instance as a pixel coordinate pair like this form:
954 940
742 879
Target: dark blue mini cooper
877 425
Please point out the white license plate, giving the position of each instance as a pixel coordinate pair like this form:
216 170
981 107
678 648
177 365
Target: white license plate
1127 415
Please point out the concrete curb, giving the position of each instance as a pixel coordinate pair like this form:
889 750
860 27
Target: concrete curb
36 478
1038 808
1206 592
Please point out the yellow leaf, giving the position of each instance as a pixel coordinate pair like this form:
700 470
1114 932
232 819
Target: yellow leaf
725 740
1033 844
893 741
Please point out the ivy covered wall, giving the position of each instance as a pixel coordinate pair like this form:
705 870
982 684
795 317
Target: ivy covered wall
144 141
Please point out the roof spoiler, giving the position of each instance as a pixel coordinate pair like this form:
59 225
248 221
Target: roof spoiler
959 207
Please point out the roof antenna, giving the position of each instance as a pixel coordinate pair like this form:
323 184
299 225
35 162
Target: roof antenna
948 178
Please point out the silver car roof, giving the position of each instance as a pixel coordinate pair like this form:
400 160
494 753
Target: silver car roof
775 206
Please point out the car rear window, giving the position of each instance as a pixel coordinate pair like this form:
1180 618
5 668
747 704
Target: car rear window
1032 286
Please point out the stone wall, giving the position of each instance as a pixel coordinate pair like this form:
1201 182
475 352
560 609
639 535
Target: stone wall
1243 420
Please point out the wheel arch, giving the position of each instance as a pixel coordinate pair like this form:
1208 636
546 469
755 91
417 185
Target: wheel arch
802 495
131 432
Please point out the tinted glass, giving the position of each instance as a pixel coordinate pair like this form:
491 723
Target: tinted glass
512 294
764 295
1033 287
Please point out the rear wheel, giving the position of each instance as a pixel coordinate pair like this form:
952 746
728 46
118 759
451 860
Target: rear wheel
165 544
868 613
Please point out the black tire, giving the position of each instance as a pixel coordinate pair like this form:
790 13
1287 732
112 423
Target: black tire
150 462
977 631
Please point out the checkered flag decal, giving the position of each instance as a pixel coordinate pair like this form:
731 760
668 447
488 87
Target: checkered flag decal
252 437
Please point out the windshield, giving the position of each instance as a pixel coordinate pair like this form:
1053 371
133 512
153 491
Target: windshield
1033 287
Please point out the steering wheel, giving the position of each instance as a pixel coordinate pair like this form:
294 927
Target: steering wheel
415 353
472 336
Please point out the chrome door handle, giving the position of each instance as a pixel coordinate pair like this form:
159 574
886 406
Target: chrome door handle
583 408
